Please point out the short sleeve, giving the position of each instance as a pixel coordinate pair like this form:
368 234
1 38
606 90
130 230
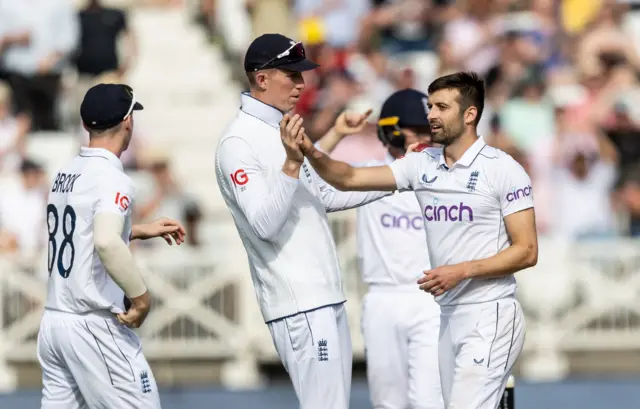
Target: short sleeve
405 170
514 189
115 195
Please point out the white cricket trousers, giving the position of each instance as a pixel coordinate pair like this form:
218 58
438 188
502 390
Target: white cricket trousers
315 349
91 361
479 344
401 329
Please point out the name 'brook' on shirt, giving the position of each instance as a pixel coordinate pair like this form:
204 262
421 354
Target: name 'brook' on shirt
64 182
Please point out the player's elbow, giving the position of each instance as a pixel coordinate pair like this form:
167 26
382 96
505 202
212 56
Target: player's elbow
348 182
531 256
103 244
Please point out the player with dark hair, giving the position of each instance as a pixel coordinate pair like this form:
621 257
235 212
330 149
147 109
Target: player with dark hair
477 206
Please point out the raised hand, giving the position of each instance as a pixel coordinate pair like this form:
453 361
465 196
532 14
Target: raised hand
349 122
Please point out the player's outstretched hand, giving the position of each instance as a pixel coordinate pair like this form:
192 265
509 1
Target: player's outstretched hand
349 122
416 147
137 312
164 227
441 279
290 132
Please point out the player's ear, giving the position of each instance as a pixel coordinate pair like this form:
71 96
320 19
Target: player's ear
262 79
470 115
128 122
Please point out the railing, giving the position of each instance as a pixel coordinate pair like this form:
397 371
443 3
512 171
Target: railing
580 297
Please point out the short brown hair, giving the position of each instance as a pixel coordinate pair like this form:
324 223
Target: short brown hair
251 76
469 85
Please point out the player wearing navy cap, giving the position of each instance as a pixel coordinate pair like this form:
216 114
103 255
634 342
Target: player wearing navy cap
89 358
477 206
400 323
279 206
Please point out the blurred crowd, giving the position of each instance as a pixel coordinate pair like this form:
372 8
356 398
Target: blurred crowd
562 78
51 53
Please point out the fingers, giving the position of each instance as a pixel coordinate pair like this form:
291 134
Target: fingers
173 228
283 123
412 147
178 238
293 126
167 238
430 283
427 277
366 115
430 286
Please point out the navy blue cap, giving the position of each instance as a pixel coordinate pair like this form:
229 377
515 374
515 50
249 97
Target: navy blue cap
277 51
409 106
106 105
406 108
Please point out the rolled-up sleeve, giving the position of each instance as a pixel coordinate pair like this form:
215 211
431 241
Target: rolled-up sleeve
266 203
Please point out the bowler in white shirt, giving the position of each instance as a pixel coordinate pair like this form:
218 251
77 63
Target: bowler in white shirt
477 205
279 206
400 323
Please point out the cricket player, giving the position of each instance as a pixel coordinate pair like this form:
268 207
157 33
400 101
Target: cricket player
400 323
279 206
89 357
477 206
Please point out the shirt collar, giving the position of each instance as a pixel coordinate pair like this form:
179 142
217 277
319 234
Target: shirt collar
86 152
264 112
469 155
388 158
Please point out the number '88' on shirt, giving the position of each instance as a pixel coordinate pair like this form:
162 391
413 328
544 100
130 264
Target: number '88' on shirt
90 184
61 255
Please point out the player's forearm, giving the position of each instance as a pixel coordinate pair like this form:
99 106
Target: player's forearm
509 261
329 141
338 174
136 232
337 200
269 214
116 256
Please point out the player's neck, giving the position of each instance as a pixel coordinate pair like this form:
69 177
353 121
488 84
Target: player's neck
110 145
263 97
454 152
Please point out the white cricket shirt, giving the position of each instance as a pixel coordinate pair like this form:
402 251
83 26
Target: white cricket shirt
282 221
390 235
91 183
463 209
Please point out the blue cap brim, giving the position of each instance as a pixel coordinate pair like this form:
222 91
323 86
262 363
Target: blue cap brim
299 66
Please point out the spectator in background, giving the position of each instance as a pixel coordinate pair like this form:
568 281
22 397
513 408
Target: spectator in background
628 196
529 118
22 215
584 179
39 37
165 198
624 133
334 18
100 29
13 133
403 25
